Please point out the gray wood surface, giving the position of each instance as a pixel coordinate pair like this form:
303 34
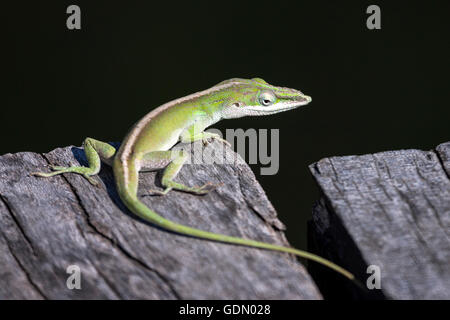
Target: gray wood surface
390 209
48 224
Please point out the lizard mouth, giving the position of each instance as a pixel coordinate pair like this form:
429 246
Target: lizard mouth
280 108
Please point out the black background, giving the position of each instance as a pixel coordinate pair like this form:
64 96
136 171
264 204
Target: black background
373 90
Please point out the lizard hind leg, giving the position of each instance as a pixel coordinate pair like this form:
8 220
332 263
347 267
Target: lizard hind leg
95 151
172 161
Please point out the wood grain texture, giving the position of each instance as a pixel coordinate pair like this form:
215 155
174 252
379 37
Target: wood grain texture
390 209
47 224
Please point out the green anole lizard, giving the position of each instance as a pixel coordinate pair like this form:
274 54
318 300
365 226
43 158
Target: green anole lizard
147 147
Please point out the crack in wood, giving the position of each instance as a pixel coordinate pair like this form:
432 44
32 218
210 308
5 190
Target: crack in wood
25 271
112 241
18 224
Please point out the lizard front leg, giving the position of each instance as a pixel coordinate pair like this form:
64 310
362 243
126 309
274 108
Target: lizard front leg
203 136
173 161
193 134
95 151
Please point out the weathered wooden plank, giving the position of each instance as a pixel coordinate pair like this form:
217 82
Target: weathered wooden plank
48 224
390 209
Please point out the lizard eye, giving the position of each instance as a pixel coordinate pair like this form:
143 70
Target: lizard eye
266 98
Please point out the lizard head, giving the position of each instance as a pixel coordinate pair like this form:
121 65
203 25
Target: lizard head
255 97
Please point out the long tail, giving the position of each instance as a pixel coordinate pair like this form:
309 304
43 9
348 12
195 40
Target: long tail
140 209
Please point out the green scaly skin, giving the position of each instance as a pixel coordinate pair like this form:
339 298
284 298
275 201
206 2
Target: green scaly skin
147 147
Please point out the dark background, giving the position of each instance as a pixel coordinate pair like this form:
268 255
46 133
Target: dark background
373 90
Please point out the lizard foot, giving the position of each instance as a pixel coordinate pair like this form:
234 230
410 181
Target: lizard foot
214 136
85 172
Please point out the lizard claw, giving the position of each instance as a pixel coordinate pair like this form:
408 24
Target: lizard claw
38 174
225 142
207 187
216 137
154 192
57 168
